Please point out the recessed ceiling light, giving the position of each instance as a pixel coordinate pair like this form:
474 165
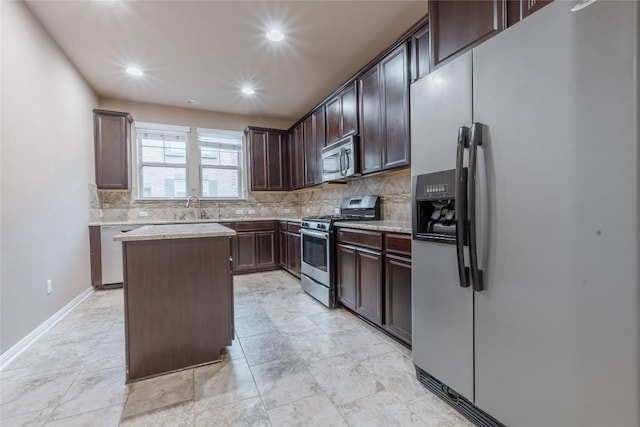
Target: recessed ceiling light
247 90
134 71
275 35
192 101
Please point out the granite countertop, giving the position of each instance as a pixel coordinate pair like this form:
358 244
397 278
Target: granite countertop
389 226
175 231
143 221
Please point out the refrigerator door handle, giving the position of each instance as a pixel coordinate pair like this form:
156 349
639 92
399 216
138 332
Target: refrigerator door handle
461 205
476 272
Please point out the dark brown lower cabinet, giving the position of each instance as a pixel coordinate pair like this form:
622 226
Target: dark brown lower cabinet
374 278
347 267
398 297
266 249
255 246
359 283
369 286
245 251
282 244
293 254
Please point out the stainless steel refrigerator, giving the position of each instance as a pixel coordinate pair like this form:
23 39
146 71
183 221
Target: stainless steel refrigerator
525 166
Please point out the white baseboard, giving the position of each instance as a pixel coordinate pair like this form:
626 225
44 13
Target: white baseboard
13 352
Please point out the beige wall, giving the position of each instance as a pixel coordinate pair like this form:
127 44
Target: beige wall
189 116
46 163
123 206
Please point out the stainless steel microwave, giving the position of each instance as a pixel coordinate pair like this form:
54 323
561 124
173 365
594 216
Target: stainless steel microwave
340 160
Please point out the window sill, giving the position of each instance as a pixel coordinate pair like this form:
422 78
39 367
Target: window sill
184 199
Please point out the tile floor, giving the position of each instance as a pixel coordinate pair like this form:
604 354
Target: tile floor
294 363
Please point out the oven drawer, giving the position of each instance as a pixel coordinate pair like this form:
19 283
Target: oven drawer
367 239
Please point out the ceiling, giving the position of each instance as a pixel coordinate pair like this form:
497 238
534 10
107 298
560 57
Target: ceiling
207 50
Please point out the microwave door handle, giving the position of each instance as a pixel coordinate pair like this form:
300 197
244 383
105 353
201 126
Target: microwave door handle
346 161
461 205
340 161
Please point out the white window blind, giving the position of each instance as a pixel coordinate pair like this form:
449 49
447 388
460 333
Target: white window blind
221 160
162 160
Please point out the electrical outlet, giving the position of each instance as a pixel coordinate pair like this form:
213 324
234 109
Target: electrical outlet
336 211
101 213
49 286
251 211
239 211
143 213
287 210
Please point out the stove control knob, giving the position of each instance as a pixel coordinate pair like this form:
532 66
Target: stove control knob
305 224
321 226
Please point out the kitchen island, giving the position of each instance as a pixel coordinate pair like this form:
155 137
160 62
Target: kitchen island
178 295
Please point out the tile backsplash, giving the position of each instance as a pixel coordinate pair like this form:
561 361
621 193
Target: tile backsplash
120 205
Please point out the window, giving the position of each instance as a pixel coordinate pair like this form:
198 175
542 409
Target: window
220 163
173 163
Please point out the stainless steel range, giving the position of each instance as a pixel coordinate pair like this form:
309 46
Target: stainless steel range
318 246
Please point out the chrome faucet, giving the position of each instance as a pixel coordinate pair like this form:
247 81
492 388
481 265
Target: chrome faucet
197 198
193 196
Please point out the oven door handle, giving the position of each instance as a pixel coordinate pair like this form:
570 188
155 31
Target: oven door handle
313 233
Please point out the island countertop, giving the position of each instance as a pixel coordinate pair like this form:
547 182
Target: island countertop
175 231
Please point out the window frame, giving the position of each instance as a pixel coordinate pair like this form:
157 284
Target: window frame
193 165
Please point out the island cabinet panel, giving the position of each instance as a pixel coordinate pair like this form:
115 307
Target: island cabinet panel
178 304
458 25
112 134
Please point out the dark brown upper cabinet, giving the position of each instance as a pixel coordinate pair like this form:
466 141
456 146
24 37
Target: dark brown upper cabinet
384 113
420 53
314 141
520 9
112 137
458 25
267 159
296 158
531 6
342 114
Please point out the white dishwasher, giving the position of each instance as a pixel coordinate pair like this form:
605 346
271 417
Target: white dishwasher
112 253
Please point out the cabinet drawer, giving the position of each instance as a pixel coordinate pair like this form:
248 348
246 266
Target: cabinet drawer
398 243
256 226
293 227
367 239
